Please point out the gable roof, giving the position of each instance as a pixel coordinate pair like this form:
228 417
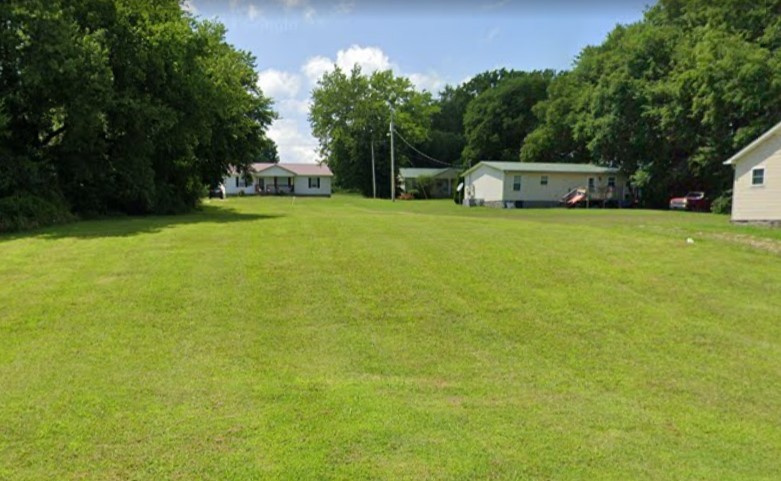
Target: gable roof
545 167
310 170
753 145
415 172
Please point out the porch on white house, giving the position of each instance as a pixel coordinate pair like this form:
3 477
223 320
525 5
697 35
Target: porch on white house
274 185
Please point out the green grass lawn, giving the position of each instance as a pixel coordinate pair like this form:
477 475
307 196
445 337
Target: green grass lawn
353 339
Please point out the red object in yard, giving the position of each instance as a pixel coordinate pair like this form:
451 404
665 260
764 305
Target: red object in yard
694 201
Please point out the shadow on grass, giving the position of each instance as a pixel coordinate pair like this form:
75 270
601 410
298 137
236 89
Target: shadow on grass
125 226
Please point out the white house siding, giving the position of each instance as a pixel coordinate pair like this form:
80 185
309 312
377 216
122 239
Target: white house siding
752 203
231 189
301 185
534 193
484 183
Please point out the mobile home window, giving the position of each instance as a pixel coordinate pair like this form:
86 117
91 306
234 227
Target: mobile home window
611 182
758 177
591 185
544 180
314 182
517 183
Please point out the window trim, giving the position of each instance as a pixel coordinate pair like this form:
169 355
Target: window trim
517 181
754 171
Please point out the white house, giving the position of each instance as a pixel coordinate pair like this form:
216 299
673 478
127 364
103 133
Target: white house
756 193
444 180
527 184
293 179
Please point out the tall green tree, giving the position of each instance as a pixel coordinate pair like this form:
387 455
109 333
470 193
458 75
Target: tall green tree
350 110
447 138
498 120
121 106
668 98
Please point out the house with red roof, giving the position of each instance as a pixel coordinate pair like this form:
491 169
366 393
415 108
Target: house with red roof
282 179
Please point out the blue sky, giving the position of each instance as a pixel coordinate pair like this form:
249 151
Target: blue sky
434 43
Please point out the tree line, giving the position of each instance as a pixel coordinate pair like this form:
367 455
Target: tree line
667 99
119 106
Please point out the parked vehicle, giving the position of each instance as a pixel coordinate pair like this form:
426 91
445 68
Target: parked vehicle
217 191
693 201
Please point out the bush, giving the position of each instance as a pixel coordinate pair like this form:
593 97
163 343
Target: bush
723 203
27 211
241 193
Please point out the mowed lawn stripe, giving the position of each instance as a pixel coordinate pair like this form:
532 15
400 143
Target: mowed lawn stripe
347 338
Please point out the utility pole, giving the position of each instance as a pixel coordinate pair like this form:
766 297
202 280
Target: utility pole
374 174
393 162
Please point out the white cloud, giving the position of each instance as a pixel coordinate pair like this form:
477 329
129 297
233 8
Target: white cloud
253 11
491 35
189 6
370 59
294 107
344 7
294 145
427 81
309 14
276 83
315 67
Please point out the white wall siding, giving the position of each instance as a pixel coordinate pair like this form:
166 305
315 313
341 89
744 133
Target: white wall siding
231 189
302 186
484 183
558 185
759 202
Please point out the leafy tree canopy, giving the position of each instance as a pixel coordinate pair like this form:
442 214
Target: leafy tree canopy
350 110
498 120
122 106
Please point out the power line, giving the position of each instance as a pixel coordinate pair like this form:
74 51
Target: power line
428 157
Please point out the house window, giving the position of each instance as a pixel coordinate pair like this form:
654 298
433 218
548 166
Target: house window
517 183
314 182
261 183
591 184
611 182
241 182
758 177
544 180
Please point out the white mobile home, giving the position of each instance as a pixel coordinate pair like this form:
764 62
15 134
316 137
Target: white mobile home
527 184
278 179
756 193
